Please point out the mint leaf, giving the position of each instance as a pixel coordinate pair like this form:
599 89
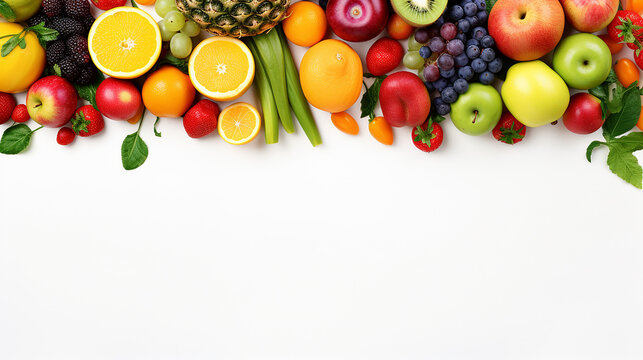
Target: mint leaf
625 165
16 139
134 150
157 133
371 97
6 11
590 149
623 121
88 92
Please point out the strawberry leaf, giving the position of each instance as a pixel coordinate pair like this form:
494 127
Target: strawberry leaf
79 123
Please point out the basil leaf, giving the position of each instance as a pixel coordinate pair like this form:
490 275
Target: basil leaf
371 97
623 121
6 11
593 145
625 165
88 92
16 139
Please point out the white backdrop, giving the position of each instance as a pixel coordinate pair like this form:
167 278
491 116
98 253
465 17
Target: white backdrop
352 250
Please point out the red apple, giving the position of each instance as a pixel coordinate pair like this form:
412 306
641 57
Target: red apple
590 15
118 99
584 114
526 30
404 99
357 20
51 101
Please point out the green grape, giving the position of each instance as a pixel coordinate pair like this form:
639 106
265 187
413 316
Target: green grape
421 73
191 28
162 7
166 34
181 45
413 60
174 20
413 45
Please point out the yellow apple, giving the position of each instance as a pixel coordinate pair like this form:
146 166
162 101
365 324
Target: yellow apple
534 93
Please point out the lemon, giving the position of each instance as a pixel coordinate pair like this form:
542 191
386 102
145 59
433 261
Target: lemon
21 67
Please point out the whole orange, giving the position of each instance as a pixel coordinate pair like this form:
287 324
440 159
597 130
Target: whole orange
168 92
331 76
305 24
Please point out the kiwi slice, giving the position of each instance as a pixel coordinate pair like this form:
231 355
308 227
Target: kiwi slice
419 12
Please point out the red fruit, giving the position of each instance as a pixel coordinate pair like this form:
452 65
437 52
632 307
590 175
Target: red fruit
638 58
427 140
87 121
627 27
7 104
20 114
65 136
404 99
384 56
201 119
584 114
108 4
509 130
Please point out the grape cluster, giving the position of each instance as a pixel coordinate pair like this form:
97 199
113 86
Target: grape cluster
175 28
454 51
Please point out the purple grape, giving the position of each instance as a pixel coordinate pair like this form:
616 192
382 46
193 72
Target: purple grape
437 45
422 35
455 47
445 62
448 31
431 73
433 31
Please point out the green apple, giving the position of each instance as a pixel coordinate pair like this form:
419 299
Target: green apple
22 9
583 60
477 111
534 93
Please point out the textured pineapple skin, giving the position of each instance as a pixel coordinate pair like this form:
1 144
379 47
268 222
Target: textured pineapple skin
236 18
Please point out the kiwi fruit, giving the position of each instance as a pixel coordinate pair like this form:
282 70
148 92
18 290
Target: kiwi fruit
419 13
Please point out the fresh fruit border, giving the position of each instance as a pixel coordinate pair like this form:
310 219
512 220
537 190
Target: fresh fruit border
459 48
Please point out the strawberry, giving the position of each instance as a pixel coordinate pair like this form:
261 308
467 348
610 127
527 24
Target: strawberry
201 119
638 58
65 136
7 104
509 130
20 114
627 27
425 139
87 121
384 56
108 4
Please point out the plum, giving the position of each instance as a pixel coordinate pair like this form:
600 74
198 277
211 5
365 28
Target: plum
357 20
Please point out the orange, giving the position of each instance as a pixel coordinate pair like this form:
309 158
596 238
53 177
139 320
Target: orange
124 42
221 68
21 67
397 28
239 123
167 92
305 24
331 76
639 124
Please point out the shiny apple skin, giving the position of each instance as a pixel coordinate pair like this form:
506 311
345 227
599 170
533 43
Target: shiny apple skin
357 20
584 114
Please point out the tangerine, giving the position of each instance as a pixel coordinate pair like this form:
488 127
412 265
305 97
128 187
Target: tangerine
168 92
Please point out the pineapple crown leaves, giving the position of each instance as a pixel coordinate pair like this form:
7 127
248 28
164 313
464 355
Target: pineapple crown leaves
509 135
43 33
79 123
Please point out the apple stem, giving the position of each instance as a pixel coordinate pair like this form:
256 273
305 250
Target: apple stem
475 116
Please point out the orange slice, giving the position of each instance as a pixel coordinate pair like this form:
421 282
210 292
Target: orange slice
239 123
221 68
124 42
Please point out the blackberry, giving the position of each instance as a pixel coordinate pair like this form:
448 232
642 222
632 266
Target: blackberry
68 69
67 26
40 17
86 75
52 7
77 46
87 23
77 9
55 52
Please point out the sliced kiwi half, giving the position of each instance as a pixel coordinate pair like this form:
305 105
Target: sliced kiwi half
419 12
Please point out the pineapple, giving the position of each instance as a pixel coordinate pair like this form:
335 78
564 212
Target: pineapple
235 18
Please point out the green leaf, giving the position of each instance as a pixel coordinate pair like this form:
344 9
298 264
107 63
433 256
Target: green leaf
134 4
631 142
490 4
44 33
57 71
157 133
16 139
371 97
79 123
625 165
134 150
11 44
88 92
623 121
590 149
181 64
6 11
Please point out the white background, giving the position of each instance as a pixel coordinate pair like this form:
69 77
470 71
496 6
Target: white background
352 250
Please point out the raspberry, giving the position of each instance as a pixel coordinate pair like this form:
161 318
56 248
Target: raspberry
20 114
65 136
55 51
68 69
77 9
87 75
52 7
67 26
77 46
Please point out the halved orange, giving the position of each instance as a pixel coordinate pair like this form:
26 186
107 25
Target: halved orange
239 123
124 42
221 68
